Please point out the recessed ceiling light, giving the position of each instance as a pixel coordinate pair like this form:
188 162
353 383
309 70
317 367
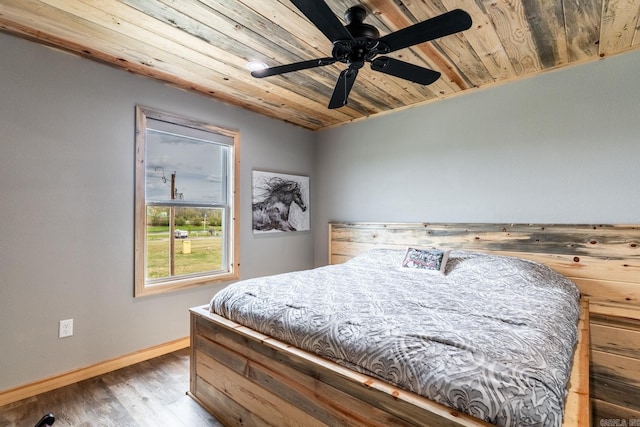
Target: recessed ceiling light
256 65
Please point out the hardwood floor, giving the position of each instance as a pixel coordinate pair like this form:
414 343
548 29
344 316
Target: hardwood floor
151 393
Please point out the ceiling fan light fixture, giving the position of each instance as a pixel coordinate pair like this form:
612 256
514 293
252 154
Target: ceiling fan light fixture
256 66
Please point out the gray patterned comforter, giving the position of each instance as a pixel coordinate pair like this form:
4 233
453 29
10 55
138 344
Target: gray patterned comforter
493 338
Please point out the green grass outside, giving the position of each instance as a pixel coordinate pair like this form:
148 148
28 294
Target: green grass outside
206 253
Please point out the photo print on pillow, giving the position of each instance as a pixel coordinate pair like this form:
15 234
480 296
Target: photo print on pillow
430 260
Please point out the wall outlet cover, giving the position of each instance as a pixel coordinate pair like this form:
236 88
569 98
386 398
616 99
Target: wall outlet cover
65 328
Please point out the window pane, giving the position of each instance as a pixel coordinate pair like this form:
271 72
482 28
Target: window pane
186 229
195 168
198 241
158 242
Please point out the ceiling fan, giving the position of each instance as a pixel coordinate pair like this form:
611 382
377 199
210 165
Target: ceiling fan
357 43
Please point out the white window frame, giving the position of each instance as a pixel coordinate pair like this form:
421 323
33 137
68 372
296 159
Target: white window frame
144 287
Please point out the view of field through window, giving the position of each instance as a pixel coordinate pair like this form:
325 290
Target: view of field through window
198 241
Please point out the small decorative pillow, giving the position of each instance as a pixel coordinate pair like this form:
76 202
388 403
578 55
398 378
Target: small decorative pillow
430 260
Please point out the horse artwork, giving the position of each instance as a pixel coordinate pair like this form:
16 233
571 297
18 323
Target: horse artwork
280 202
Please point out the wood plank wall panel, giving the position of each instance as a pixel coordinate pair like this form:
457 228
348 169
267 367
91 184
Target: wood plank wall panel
603 261
611 414
615 365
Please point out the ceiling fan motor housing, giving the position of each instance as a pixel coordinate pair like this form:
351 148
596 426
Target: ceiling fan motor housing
355 16
364 45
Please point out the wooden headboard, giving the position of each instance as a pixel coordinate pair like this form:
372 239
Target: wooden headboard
602 260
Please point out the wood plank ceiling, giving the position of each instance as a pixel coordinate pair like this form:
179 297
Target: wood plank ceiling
204 46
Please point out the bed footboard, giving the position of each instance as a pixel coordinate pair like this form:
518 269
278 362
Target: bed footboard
246 378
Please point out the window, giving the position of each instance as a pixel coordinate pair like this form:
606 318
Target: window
186 201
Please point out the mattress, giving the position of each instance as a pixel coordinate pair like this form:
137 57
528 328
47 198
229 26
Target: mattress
492 337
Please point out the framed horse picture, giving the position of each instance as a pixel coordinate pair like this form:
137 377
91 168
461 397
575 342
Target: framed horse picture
280 202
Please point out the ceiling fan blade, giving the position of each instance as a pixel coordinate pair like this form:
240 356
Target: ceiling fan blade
404 70
296 66
323 17
343 88
448 23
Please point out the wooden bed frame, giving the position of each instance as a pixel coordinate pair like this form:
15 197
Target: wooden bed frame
246 378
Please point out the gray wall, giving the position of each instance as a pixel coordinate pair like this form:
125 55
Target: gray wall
560 147
66 196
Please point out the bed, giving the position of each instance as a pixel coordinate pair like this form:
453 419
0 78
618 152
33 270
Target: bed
249 370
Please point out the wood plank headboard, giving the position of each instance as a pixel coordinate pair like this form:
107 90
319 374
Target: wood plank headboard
603 260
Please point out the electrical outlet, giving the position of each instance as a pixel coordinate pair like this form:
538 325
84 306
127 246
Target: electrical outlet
66 328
